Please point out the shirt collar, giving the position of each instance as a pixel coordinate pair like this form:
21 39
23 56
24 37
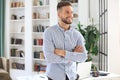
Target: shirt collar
62 28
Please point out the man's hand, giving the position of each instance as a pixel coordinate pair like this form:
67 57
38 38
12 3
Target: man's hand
78 49
59 52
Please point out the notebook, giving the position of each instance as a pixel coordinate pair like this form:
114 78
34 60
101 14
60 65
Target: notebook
84 69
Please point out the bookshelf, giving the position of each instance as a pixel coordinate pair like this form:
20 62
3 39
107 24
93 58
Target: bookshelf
17 39
40 21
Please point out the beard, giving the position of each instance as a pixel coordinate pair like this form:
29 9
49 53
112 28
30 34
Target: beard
66 20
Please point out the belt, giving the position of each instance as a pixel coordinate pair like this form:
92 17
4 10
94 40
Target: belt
49 78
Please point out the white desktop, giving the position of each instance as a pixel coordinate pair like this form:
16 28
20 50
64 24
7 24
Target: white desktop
83 71
43 77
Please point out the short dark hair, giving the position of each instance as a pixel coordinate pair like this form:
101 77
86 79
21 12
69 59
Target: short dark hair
62 4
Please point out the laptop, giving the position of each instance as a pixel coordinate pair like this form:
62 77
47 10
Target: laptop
84 69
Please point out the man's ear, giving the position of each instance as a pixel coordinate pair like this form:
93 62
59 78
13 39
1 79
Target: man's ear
59 15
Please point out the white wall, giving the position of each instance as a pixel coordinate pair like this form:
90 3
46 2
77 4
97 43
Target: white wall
83 11
6 47
113 36
53 9
94 11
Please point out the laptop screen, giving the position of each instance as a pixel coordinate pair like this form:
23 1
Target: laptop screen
83 69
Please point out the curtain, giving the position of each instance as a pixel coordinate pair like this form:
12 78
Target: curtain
2 13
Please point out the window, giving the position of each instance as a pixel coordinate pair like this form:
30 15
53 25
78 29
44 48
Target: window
103 42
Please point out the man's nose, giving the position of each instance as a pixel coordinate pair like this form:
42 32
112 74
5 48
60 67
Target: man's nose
71 15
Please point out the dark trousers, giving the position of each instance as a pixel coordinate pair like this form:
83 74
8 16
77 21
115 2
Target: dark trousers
66 78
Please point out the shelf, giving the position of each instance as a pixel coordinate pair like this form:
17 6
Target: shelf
43 60
74 4
37 46
20 58
21 20
17 8
44 6
75 18
17 70
37 33
17 33
16 45
39 72
40 19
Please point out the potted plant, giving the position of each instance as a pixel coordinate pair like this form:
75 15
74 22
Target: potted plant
91 35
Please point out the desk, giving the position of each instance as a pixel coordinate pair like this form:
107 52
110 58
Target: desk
108 77
43 77
33 77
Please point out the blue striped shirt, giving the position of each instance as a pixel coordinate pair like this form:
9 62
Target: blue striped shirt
58 67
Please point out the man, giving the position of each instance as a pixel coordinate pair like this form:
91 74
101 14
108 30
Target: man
63 46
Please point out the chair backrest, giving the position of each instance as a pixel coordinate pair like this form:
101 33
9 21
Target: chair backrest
4 63
1 63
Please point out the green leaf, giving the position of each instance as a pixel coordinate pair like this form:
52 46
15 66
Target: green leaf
91 35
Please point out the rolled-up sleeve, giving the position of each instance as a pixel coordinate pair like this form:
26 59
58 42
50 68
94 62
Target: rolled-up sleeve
78 56
75 56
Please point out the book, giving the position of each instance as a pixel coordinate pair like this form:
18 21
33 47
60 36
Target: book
36 54
42 55
22 29
22 54
13 52
12 40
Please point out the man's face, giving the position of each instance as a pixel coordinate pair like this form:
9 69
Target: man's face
66 14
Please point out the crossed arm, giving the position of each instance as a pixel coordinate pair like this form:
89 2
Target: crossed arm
62 53
56 55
